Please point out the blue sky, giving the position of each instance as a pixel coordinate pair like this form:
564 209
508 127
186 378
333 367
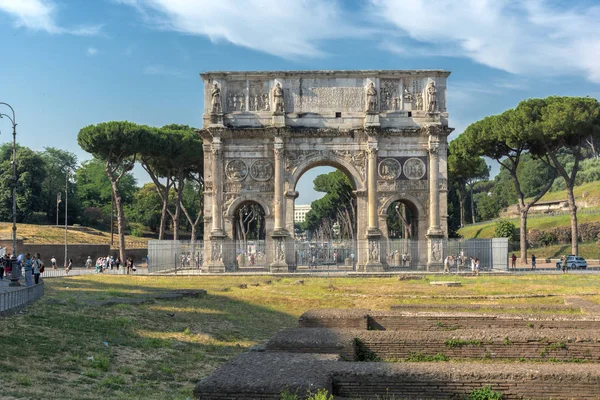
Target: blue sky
65 64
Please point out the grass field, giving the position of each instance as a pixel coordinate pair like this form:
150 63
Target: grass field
67 346
50 234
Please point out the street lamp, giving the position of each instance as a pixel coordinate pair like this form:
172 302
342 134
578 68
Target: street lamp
66 208
58 200
14 277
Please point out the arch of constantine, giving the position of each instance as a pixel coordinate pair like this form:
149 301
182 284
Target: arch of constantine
386 130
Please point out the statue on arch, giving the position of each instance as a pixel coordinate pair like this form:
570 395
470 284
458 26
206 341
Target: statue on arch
371 98
216 99
432 94
279 106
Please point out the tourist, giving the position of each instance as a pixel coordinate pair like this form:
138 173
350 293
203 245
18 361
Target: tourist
447 262
37 268
533 261
7 265
2 265
28 267
472 261
117 263
69 266
514 261
476 262
88 262
53 262
564 264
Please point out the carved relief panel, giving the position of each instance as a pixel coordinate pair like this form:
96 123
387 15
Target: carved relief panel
402 168
236 96
293 158
258 96
356 158
261 170
390 96
236 170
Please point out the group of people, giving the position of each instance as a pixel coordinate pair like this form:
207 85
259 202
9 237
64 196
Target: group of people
103 263
32 266
513 261
456 261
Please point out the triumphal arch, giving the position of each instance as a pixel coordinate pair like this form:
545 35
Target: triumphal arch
386 130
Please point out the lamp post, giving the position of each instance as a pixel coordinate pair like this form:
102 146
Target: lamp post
58 200
66 208
14 277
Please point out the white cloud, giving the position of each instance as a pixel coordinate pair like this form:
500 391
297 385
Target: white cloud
92 51
531 37
40 15
283 28
159 69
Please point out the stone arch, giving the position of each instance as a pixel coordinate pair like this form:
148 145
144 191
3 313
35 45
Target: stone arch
410 200
229 213
330 161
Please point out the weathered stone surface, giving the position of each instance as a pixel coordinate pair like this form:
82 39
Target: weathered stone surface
387 130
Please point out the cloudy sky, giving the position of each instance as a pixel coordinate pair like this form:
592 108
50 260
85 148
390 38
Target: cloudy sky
65 64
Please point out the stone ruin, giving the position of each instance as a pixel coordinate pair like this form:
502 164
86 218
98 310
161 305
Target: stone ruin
379 354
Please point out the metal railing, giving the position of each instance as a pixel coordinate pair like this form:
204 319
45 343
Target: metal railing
168 256
16 299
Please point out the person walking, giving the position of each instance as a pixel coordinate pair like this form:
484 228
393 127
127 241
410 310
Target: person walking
476 262
447 262
37 268
28 267
514 261
472 262
117 263
53 262
533 261
2 265
88 262
69 266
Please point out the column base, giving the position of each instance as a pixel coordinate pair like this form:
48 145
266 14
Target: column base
278 267
435 252
374 267
216 267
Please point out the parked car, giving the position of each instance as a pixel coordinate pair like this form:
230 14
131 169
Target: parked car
572 262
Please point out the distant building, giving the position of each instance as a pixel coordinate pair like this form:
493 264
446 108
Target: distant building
300 212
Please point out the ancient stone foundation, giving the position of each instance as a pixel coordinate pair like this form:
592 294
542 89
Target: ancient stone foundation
521 356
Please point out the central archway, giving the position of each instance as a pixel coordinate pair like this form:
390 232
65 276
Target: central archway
249 235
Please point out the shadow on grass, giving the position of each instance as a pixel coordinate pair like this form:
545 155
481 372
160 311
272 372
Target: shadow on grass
151 351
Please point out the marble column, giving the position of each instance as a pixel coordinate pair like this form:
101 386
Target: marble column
217 161
373 222
435 236
279 234
217 234
434 187
279 207
373 233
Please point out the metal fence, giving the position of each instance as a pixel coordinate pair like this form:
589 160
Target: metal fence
16 299
168 256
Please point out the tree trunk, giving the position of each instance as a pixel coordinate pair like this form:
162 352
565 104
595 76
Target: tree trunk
120 219
574 227
570 183
178 207
523 233
472 204
164 194
461 200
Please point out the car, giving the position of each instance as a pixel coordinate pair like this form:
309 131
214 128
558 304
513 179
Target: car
572 262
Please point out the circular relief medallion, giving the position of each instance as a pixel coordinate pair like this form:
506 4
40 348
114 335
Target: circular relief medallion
414 168
261 170
236 170
389 169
